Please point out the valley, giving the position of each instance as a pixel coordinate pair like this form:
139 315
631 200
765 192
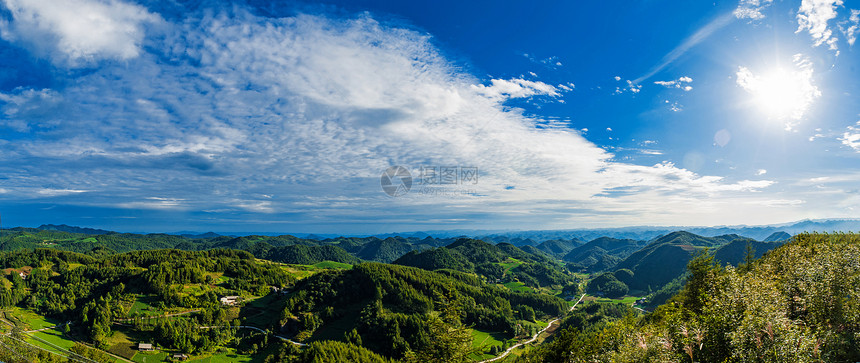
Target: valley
91 295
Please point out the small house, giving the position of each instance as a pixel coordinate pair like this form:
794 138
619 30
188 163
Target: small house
144 347
230 300
179 356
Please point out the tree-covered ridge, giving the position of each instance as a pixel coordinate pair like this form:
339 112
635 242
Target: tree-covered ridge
558 247
276 248
398 305
798 303
503 262
601 253
666 258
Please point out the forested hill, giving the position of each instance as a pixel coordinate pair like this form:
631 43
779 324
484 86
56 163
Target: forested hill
798 303
398 311
175 299
501 263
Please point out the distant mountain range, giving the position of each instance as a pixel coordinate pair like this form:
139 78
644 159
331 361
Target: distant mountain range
71 229
649 233
536 237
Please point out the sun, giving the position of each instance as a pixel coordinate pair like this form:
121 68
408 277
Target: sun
779 93
782 94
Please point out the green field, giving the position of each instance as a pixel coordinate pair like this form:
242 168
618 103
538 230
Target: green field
303 271
54 341
628 300
54 337
225 357
141 306
123 341
150 357
482 341
332 264
516 286
28 319
510 264
486 339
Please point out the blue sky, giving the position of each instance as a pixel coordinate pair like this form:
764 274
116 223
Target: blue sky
282 117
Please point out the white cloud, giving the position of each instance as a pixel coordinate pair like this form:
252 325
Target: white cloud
501 89
783 202
156 203
310 108
751 9
567 87
761 172
51 192
631 87
635 88
813 16
851 137
677 83
82 30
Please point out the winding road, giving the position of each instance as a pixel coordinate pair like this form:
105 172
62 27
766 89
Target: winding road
515 346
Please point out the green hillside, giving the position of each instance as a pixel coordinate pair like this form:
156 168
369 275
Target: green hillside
393 307
503 263
602 253
666 258
796 304
558 247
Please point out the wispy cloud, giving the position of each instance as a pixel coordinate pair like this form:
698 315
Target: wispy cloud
157 203
691 41
50 192
851 27
751 9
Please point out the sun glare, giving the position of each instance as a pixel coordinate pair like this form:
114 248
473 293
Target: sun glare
780 94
